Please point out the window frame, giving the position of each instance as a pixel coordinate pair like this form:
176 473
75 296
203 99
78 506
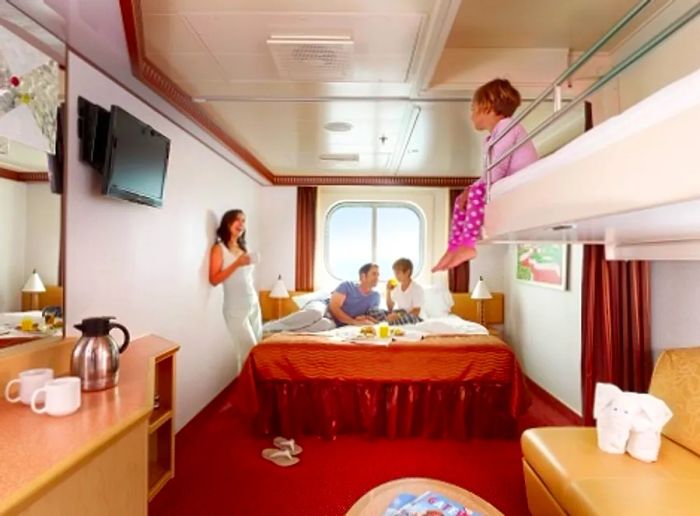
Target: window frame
417 269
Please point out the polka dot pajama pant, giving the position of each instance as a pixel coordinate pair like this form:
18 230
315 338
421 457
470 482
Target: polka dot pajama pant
466 224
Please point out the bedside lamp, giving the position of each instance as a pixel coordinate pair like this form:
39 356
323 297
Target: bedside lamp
479 294
34 286
279 292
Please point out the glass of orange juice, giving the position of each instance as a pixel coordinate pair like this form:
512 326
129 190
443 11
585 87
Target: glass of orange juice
383 330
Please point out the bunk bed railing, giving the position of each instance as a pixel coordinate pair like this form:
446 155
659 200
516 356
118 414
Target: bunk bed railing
490 164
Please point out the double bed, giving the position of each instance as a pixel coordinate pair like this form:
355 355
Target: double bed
446 378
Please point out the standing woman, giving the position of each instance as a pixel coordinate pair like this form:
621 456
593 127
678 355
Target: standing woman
230 264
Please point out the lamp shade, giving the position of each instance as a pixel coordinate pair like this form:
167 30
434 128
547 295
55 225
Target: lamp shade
34 284
481 291
279 290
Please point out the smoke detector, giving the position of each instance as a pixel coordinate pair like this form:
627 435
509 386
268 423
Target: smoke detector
312 57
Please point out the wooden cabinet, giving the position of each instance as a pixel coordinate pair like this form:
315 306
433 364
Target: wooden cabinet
111 457
161 429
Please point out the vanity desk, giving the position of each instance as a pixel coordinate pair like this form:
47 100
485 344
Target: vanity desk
108 458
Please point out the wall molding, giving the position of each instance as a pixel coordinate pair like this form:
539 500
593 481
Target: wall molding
560 408
24 177
423 181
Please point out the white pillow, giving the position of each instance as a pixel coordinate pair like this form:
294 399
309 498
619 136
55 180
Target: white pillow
302 300
437 303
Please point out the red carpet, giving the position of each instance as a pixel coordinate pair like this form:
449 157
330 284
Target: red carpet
219 470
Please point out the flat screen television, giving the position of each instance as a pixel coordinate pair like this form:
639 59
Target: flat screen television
136 160
56 160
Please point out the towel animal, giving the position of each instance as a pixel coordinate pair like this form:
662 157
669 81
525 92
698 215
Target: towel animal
629 421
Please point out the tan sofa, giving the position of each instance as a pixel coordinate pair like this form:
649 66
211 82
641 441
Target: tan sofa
566 473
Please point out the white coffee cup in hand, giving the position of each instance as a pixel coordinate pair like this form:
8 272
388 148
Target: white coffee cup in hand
29 381
254 257
62 397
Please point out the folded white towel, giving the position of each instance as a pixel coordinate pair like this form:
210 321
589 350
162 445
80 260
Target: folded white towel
628 421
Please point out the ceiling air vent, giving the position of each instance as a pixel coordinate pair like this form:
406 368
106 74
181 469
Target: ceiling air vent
339 156
312 57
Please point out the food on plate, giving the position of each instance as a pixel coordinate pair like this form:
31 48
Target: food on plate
368 331
398 332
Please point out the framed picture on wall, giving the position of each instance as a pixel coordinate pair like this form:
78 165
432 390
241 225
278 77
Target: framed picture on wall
545 265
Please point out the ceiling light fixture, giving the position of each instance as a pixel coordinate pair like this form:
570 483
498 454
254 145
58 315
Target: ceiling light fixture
340 156
338 127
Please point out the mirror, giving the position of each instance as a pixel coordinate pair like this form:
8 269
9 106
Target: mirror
32 91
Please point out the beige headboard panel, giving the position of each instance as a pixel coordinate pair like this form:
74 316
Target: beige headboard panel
52 297
464 306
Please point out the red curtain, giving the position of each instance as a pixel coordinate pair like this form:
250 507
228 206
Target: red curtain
306 237
459 276
615 325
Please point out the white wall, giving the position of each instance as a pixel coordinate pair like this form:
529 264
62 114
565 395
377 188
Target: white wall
13 223
675 286
43 232
676 57
277 236
544 327
489 264
146 266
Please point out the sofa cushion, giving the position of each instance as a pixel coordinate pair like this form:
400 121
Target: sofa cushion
562 456
676 380
623 497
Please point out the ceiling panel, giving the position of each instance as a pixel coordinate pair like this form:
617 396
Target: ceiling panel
165 34
573 24
289 137
171 6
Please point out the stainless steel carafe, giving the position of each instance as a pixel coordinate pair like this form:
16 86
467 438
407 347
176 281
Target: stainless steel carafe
96 355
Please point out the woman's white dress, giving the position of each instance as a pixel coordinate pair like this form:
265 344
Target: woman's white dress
241 308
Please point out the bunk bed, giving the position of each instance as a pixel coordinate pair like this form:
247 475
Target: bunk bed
631 183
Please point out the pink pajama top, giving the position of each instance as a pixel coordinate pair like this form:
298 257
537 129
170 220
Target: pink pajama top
520 159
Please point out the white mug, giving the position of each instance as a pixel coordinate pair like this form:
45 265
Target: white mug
62 396
29 381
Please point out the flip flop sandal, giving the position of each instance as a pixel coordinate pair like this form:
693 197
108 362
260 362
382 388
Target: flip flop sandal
287 444
279 457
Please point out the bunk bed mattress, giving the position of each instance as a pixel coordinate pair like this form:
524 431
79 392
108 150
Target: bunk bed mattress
656 109
455 386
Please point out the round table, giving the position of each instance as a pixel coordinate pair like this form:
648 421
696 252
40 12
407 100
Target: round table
375 501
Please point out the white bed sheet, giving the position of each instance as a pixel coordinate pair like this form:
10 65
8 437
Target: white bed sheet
658 107
449 325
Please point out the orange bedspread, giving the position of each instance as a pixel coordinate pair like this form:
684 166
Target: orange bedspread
464 358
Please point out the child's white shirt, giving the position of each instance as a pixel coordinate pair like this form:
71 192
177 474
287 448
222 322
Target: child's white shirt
408 299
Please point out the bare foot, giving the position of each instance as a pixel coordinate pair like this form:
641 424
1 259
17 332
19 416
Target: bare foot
442 263
461 255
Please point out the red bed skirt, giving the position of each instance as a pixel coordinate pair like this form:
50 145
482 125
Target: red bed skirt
439 410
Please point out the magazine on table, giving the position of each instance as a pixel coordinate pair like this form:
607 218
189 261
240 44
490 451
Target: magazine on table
429 503
397 503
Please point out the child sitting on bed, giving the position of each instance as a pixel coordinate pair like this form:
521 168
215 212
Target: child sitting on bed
405 299
491 108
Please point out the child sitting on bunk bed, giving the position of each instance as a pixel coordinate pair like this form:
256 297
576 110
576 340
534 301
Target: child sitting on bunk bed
491 108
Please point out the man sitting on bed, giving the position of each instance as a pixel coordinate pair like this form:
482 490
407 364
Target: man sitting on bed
350 301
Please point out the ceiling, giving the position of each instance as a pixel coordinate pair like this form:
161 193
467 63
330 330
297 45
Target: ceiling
572 24
225 56
373 70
